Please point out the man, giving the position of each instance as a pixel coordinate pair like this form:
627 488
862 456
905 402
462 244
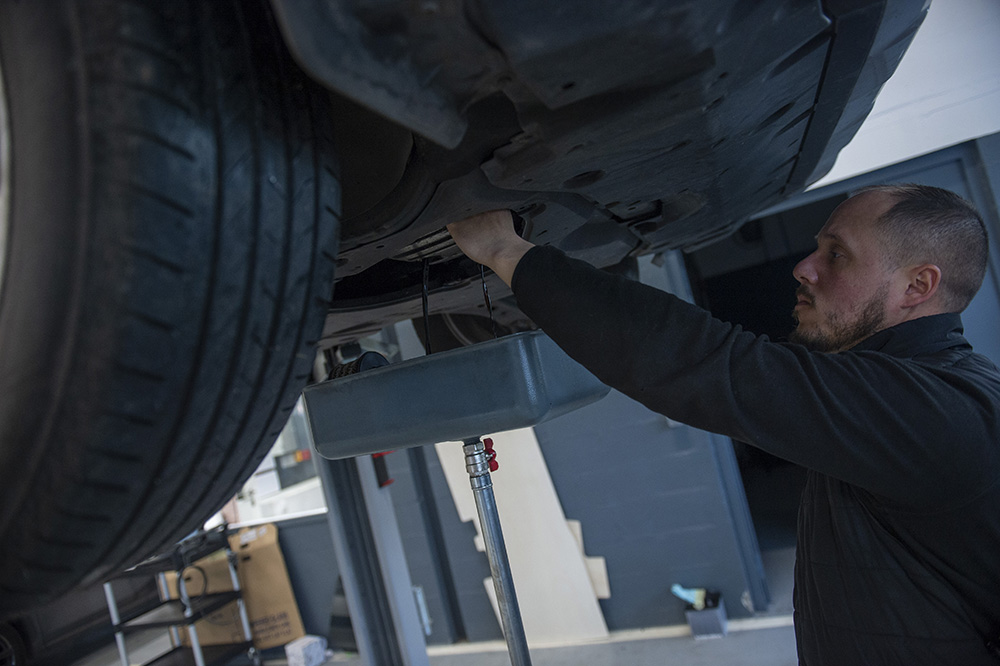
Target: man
879 395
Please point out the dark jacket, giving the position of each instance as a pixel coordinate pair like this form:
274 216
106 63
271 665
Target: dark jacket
898 558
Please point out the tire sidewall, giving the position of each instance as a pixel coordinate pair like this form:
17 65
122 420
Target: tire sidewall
12 641
46 233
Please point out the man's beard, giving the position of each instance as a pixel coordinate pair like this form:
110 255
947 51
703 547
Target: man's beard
842 334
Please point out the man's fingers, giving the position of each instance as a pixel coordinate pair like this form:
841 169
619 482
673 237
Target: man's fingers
490 239
481 236
488 223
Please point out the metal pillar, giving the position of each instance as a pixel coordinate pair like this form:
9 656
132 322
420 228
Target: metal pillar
477 463
115 621
373 568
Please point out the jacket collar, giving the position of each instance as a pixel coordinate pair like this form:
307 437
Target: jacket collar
924 335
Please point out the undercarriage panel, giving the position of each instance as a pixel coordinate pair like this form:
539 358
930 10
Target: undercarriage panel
613 129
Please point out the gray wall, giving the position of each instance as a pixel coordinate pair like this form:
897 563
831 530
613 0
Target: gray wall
652 501
312 568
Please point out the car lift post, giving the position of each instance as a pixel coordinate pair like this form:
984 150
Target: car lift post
369 553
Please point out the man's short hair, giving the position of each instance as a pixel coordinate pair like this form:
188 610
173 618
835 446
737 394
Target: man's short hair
931 225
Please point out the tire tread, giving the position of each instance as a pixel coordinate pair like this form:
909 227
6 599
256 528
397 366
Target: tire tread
216 202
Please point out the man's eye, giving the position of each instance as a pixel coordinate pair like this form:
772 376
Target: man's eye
835 255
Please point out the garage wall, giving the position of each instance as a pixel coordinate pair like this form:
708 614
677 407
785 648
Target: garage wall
652 499
313 572
945 91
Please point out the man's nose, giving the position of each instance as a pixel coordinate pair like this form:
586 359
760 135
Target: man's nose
805 270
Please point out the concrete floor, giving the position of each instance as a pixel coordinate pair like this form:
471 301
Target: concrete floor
766 641
758 647
774 646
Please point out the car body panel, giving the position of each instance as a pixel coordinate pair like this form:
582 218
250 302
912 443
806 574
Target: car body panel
614 129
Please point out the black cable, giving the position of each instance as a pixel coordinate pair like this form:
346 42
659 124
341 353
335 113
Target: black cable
204 581
204 592
486 297
427 324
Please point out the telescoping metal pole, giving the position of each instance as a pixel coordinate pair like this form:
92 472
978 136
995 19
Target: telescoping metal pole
477 463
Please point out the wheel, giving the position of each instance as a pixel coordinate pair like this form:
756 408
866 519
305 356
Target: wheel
12 651
168 223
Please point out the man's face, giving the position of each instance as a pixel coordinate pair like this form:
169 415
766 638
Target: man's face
844 286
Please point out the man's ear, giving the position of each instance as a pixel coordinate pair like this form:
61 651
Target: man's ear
923 284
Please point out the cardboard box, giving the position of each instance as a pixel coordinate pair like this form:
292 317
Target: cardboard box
267 592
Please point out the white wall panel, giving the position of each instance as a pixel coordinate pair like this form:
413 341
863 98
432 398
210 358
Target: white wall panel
945 91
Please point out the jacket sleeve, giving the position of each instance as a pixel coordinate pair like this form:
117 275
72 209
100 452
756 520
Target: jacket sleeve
888 425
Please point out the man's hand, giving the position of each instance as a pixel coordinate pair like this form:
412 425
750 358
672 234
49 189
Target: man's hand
490 239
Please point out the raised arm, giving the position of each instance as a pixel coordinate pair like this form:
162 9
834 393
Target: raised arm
490 239
841 414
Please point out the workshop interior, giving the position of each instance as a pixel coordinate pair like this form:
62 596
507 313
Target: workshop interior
256 407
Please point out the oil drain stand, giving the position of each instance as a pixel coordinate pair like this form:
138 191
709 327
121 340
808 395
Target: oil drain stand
513 382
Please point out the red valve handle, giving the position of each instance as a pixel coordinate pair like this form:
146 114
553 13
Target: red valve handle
491 455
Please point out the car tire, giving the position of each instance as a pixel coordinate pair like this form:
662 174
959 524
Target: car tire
168 226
